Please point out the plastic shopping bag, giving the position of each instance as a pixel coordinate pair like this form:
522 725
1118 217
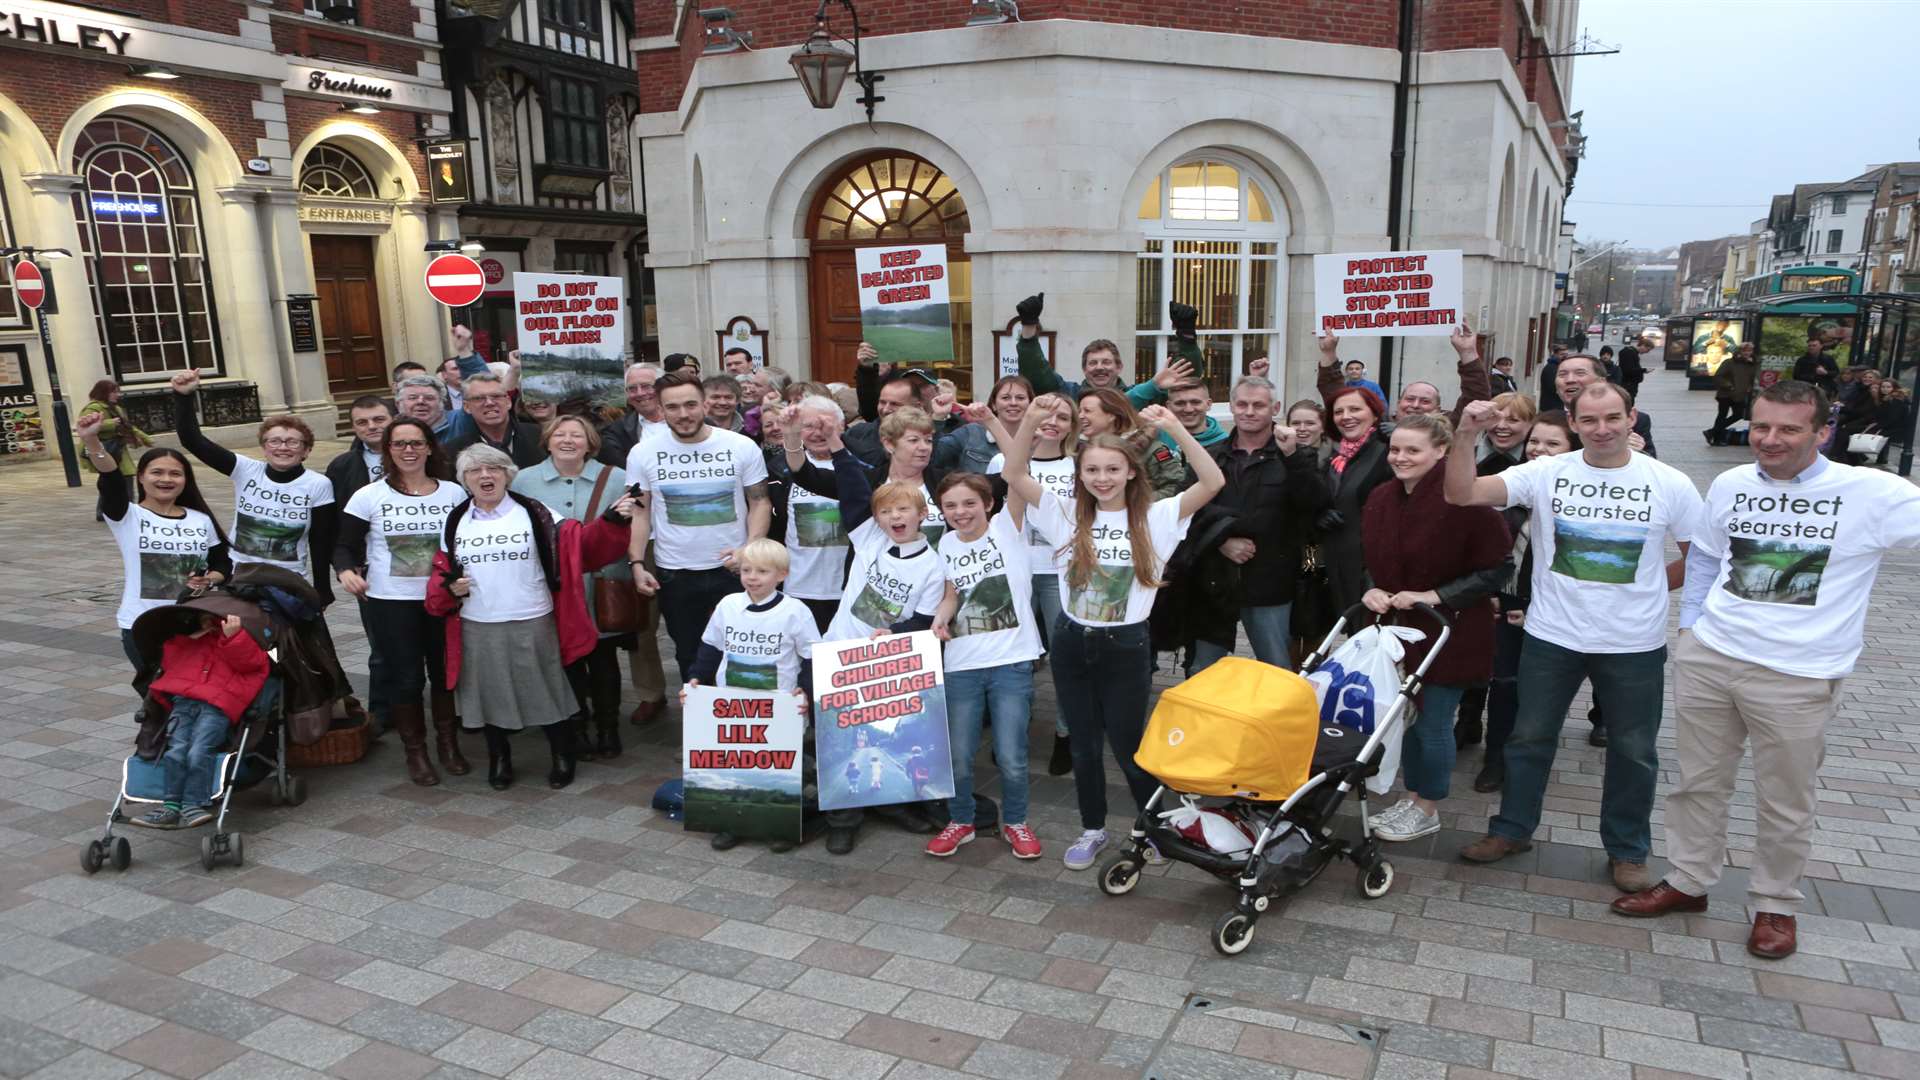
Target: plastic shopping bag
1358 683
1209 829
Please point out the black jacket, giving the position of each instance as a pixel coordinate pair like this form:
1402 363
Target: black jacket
617 438
1340 546
522 444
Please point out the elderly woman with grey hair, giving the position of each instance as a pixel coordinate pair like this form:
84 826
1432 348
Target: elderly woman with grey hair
513 571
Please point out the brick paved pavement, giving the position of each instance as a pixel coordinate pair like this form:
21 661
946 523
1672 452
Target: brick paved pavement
391 932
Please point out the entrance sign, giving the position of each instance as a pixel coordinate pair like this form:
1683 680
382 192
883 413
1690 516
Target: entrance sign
742 770
28 284
903 303
880 721
455 280
1388 293
573 338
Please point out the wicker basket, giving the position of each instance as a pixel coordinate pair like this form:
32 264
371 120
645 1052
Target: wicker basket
340 746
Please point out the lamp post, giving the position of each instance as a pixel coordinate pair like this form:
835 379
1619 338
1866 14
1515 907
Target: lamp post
62 426
823 66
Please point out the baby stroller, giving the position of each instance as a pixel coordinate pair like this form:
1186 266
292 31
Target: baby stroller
281 613
1251 738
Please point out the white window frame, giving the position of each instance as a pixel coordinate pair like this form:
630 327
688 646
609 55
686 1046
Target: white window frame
1168 232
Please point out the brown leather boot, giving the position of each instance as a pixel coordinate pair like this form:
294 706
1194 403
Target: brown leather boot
411 722
446 732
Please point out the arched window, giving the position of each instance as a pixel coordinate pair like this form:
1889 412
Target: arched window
332 172
891 198
141 234
1216 239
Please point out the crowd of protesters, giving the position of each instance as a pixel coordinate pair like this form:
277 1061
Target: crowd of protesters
501 553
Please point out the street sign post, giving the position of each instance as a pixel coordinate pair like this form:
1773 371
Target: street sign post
30 285
455 280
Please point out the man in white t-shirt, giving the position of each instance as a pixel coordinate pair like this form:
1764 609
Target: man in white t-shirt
1601 519
707 496
1770 623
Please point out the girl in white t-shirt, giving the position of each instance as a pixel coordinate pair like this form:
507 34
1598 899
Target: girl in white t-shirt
1110 545
389 531
168 540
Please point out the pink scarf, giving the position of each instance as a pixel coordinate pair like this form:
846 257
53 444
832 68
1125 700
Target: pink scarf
1348 448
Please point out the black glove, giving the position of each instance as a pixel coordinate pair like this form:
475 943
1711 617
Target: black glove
1029 309
1330 521
1183 316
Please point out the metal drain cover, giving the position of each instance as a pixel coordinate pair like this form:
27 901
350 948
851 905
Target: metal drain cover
1219 1036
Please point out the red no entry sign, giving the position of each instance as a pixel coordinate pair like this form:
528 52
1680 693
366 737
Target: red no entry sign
455 280
28 285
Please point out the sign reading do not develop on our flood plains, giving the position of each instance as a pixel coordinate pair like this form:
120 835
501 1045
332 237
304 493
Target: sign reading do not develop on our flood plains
880 721
742 771
1388 293
903 303
573 338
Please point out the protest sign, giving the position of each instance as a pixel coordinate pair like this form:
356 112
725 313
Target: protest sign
1388 293
742 769
903 303
573 338
880 721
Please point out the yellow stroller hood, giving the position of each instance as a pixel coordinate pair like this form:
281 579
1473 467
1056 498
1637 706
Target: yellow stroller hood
1240 727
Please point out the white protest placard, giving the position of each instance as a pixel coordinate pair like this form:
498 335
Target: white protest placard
880 721
741 773
573 338
1388 293
903 303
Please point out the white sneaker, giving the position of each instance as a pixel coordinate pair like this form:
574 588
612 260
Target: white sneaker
1376 821
1411 825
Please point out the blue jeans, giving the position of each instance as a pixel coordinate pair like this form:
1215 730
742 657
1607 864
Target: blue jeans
1426 752
1628 686
1267 632
1007 691
199 731
1103 676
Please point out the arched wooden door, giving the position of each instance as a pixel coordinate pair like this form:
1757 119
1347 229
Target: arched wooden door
887 198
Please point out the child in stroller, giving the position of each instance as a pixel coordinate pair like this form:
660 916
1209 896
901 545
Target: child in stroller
208 676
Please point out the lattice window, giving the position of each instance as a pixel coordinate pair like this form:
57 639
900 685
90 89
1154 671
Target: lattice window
892 198
332 172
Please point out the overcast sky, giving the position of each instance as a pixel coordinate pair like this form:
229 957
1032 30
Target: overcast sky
1713 106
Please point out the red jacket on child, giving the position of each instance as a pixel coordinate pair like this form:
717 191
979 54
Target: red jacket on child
225 672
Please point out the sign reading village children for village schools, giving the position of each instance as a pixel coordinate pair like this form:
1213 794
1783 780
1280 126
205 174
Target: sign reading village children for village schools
903 303
742 770
880 721
573 339
1387 293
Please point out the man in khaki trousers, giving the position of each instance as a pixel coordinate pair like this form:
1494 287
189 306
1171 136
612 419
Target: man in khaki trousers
1771 621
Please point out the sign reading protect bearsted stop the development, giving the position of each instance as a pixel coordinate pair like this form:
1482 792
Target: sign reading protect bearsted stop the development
1388 293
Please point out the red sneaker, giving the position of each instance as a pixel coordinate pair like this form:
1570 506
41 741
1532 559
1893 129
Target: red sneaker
950 839
1025 844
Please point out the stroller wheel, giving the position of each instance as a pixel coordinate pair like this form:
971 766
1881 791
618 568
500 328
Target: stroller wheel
1232 933
1120 874
236 850
1376 880
207 859
93 856
296 790
122 853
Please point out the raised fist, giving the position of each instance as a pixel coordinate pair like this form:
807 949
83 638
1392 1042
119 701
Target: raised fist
1478 416
185 382
1259 366
1329 348
866 354
1029 309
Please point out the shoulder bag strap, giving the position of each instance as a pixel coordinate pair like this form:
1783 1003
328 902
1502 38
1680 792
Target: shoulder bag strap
599 488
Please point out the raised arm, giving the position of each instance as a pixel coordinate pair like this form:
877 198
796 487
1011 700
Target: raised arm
1207 477
1016 448
1329 381
1463 487
1474 383
1033 359
112 485
187 425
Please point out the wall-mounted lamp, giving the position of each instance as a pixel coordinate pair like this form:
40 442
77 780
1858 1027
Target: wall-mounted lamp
989 12
721 36
154 71
464 247
823 65
360 108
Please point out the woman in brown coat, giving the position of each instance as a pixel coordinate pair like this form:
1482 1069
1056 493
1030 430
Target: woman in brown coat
1421 550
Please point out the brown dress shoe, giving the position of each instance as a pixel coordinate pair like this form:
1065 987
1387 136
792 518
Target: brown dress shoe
1630 877
1659 900
646 712
1774 936
1491 848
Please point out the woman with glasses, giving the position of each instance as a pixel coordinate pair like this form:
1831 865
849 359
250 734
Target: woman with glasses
283 512
389 532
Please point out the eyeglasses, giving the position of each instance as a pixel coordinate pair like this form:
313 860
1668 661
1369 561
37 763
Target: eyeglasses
284 444
478 399
408 444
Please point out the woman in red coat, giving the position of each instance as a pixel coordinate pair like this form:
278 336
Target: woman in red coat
1420 550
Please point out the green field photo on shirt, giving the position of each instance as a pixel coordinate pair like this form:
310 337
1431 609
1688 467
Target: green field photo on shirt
1605 554
1103 599
746 674
873 609
986 607
695 505
262 538
817 525
411 555
1769 572
163 574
